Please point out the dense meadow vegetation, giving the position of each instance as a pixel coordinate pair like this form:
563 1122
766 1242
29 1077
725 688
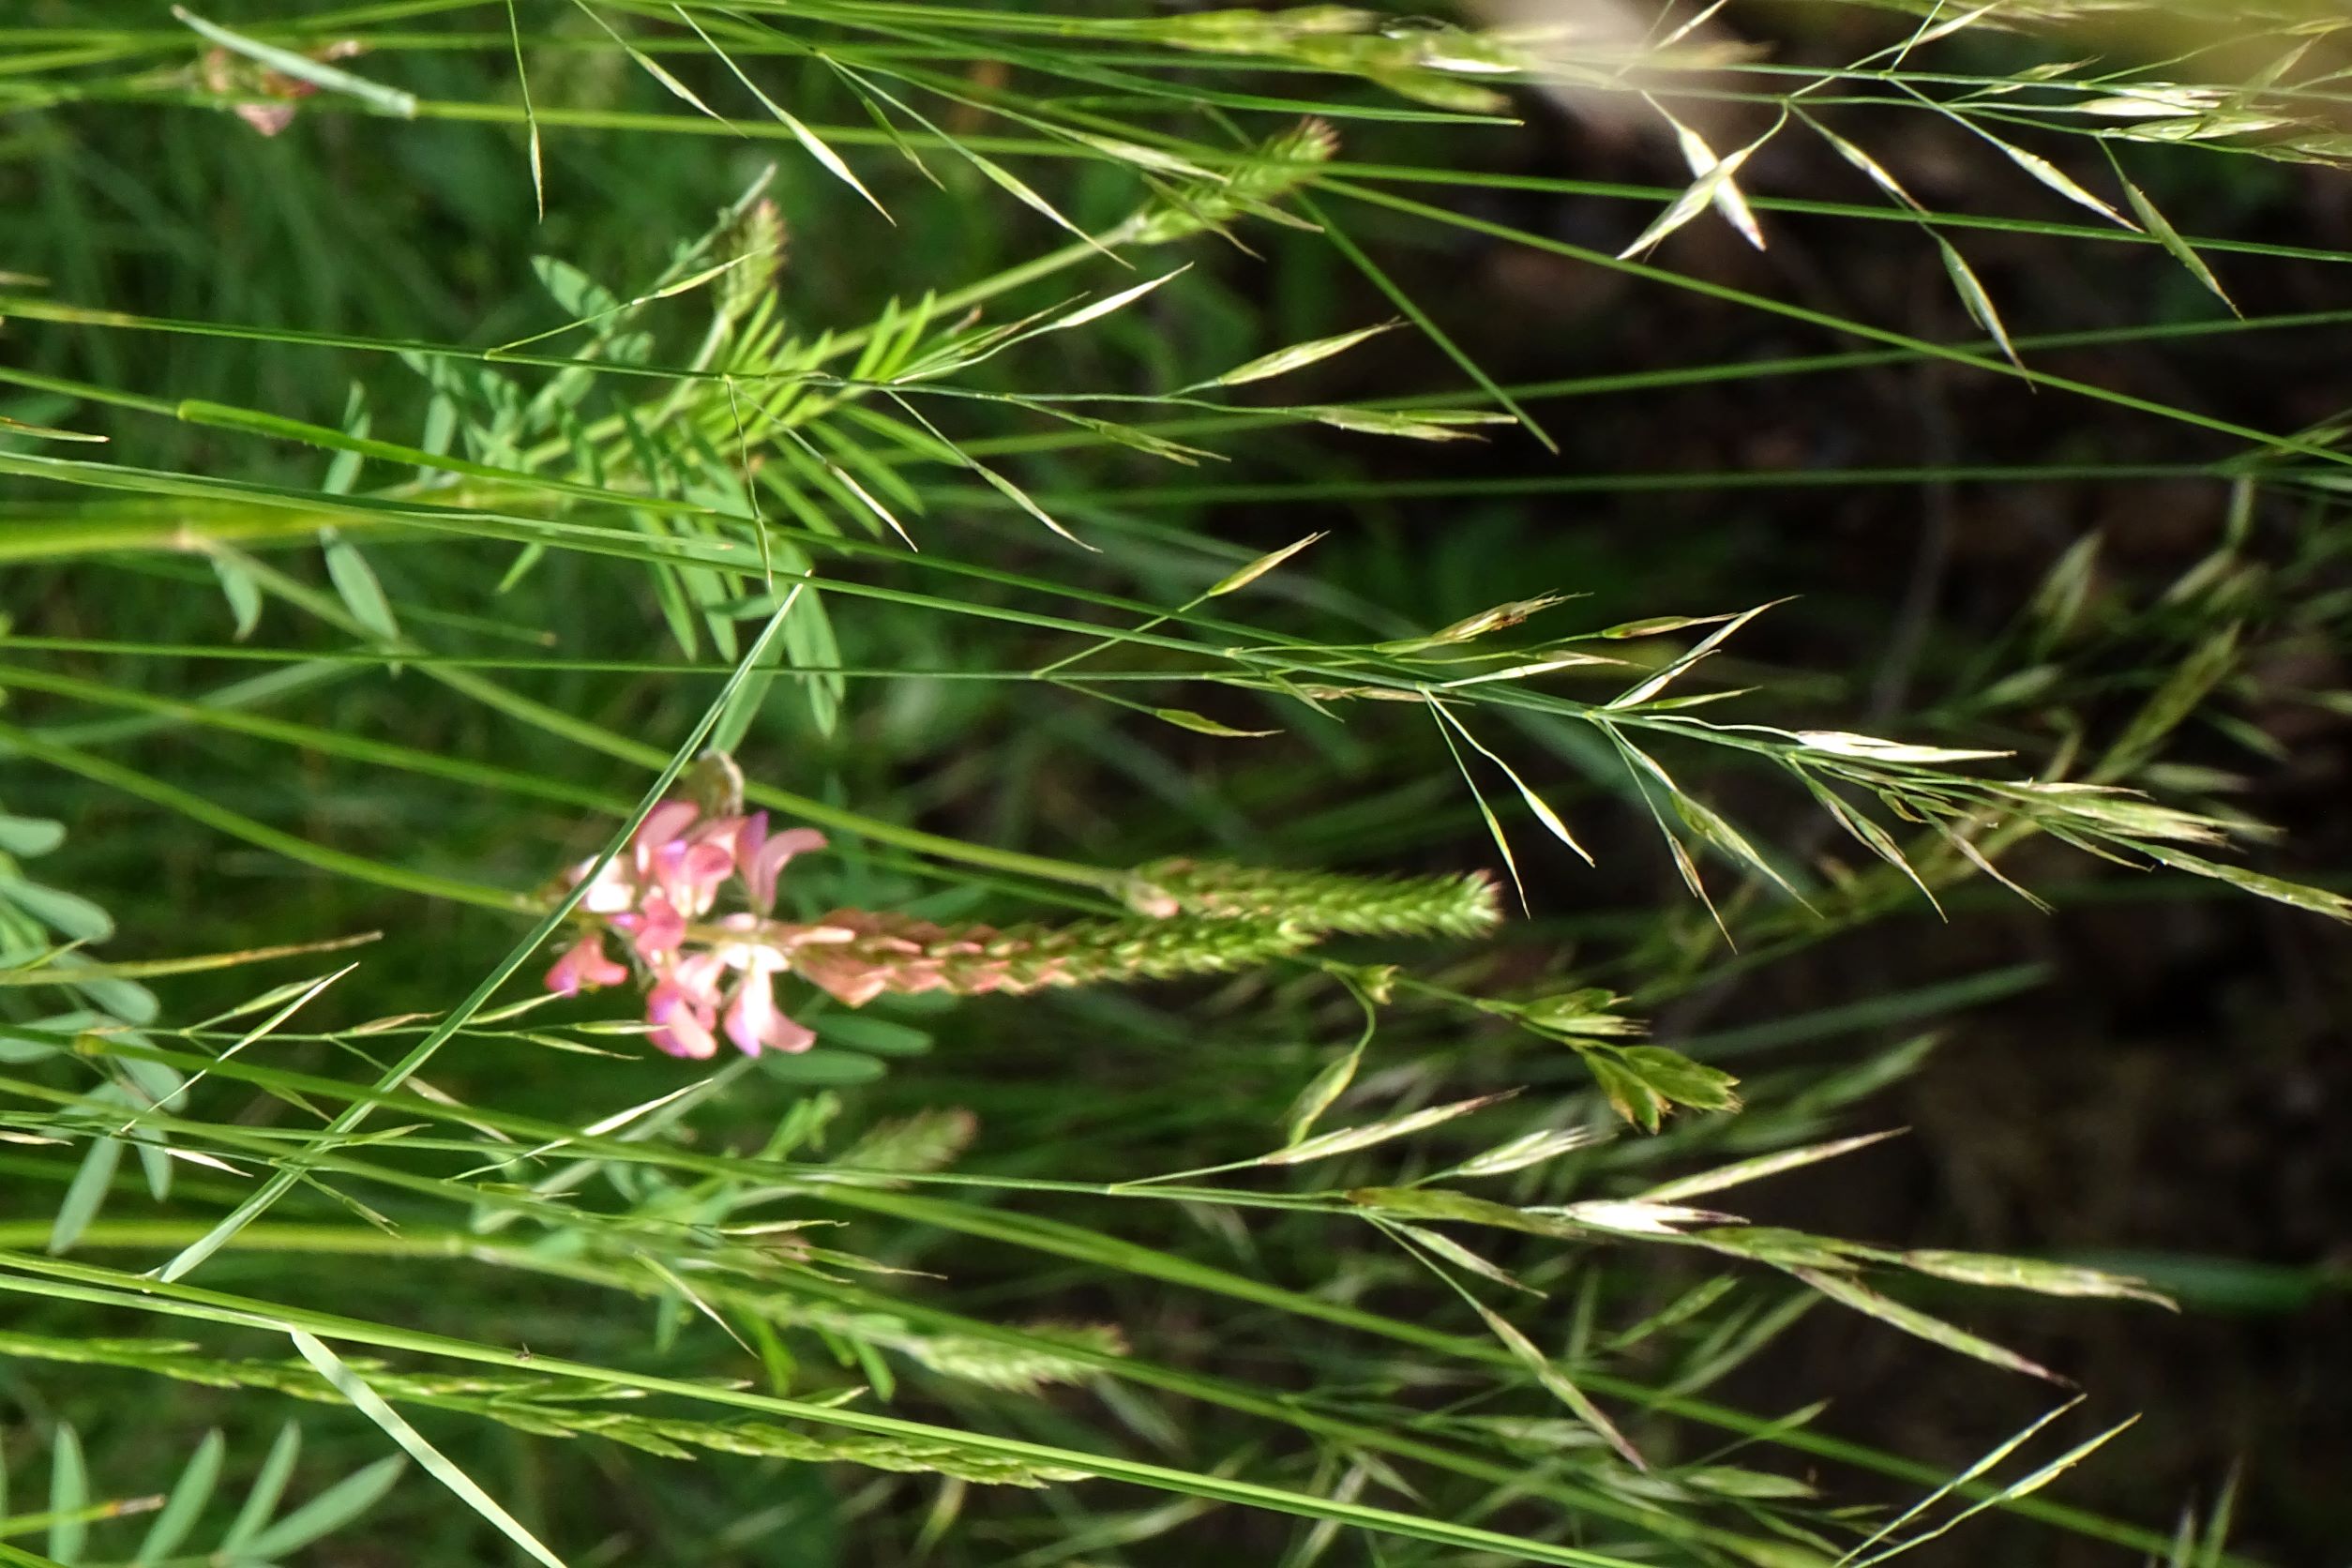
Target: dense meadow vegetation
849 782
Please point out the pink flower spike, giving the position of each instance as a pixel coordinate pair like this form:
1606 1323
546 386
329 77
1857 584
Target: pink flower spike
852 981
680 1026
584 964
760 871
753 1019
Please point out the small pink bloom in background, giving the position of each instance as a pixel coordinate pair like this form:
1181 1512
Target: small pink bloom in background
270 119
585 963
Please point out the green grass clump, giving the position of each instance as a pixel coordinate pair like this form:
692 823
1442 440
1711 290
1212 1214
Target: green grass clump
1280 862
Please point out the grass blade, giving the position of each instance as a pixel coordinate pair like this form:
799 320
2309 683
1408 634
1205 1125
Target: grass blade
371 1405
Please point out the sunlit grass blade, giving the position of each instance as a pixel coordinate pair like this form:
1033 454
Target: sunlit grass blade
389 100
371 1405
1849 1292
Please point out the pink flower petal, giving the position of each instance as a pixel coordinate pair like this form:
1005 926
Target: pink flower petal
584 964
753 1019
719 830
655 930
703 867
270 119
688 872
680 1028
615 889
751 833
698 975
661 824
760 871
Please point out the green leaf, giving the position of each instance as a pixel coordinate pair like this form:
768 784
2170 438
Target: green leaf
342 471
735 721
68 913
190 1494
1588 1010
1320 1094
355 582
808 642
27 837
330 1511
875 1036
1679 1079
1644 1083
85 1194
68 1496
243 594
579 296
260 1500
831 1069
